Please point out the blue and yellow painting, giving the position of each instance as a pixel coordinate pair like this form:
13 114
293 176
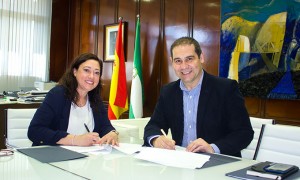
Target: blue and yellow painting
260 47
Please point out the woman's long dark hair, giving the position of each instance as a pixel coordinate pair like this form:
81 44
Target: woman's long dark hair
69 81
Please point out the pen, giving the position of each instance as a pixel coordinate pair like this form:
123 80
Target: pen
163 132
168 146
86 127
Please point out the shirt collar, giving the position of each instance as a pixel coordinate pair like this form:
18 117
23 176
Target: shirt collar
183 88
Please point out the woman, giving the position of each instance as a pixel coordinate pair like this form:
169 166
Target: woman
73 108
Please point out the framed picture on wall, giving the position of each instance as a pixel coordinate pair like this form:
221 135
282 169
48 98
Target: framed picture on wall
110 37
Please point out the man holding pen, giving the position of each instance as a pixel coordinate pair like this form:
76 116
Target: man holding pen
205 113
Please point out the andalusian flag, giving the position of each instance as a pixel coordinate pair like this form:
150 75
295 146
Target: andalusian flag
118 101
137 86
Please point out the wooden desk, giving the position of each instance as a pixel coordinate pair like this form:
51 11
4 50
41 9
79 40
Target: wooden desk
4 106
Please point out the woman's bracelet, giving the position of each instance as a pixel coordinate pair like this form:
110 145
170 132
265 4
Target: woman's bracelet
73 140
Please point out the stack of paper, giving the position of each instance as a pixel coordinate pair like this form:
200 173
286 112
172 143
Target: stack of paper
32 96
174 158
95 149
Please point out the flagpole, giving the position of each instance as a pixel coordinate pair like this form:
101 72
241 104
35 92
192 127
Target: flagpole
118 100
137 92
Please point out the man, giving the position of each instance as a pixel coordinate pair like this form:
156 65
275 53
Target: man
204 113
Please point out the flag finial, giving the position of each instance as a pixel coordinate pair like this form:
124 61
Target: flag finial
138 16
120 18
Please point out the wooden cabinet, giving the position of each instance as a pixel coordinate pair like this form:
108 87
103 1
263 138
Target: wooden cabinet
283 111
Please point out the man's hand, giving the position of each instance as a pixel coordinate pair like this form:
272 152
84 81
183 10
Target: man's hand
164 143
199 145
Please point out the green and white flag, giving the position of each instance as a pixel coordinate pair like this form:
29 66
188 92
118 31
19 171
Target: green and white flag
137 85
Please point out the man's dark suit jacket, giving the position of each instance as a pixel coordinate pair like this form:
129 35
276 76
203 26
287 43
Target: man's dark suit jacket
222 118
50 122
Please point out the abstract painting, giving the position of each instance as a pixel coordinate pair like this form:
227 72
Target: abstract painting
260 47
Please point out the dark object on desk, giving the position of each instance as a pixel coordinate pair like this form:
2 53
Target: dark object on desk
272 170
26 89
51 154
13 99
218 159
280 168
11 93
244 173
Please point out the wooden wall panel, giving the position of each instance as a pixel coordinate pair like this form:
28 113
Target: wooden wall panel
73 31
89 26
74 40
176 25
206 30
283 111
78 26
150 15
106 16
59 38
254 106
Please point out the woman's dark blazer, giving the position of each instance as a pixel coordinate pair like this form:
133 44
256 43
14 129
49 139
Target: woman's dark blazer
50 122
222 118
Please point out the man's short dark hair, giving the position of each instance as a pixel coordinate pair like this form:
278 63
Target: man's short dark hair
186 41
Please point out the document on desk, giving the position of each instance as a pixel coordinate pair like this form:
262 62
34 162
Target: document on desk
174 158
106 148
95 149
128 148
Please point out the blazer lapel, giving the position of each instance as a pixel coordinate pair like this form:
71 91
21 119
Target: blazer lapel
203 101
66 115
178 113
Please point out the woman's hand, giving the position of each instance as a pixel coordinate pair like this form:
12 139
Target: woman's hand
80 140
109 138
87 139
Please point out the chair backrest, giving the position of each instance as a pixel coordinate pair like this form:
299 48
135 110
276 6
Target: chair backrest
131 127
127 133
256 124
279 143
17 122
